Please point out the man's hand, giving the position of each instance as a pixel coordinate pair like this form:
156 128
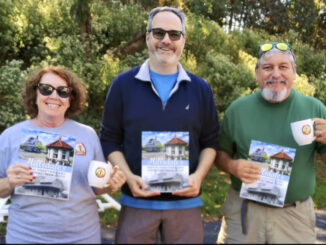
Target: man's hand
246 171
117 179
193 189
320 130
139 188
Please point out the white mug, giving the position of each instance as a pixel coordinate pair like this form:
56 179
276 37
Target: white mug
303 131
99 173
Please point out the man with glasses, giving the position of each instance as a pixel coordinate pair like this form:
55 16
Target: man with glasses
266 116
160 98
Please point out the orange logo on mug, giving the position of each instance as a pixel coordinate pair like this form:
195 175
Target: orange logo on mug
100 172
306 129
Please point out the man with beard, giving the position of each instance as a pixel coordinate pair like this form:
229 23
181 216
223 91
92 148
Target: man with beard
161 99
266 116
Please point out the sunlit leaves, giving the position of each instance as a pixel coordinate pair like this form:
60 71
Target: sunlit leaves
11 110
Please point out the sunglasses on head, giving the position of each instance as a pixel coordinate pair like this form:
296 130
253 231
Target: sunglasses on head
269 46
159 33
47 89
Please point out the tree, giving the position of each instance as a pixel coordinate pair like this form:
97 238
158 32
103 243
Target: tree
7 31
211 9
320 34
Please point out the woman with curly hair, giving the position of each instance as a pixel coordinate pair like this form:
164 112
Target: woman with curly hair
52 210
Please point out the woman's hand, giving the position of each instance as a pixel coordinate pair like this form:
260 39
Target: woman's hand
19 174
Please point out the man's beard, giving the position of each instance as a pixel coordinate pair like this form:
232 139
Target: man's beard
274 96
170 60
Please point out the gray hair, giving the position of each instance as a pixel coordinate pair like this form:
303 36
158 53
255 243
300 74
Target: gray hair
177 12
274 51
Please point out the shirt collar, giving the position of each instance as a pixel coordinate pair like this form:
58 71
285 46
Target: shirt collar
143 73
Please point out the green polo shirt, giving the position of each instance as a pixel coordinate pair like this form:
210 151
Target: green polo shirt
253 118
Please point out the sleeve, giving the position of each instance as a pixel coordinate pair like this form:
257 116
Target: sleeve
209 136
111 132
4 155
321 148
98 152
225 134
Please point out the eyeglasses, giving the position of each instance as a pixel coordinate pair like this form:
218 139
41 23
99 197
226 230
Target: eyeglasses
269 46
159 33
47 89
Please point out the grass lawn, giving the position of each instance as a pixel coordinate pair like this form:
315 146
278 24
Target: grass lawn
214 190
320 193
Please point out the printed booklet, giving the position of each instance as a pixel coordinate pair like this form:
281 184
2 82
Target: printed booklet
51 158
276 162
165 160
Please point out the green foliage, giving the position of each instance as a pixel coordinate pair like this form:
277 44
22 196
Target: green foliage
135 59
117 24
303 18
204 36
211 9
302 85
248 40
309 61
7 31
228 80
320 87
34 21
11 78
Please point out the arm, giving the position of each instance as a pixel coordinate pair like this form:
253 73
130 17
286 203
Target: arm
135 182
244 170
206 160
5 188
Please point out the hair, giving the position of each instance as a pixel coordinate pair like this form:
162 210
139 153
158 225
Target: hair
177 12
78 95
274 51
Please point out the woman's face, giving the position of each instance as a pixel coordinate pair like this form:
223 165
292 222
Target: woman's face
52 107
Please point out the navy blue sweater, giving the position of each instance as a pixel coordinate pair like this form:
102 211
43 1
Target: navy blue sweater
132 106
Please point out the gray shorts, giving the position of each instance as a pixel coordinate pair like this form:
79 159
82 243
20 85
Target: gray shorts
174 226
294 224
231 229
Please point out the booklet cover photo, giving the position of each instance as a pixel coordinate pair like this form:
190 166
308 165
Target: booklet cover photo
51 158
276 162
165 160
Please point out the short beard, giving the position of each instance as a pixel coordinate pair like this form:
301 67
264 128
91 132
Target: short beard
274 96
171 60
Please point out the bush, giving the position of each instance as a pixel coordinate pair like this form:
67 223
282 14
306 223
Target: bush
228 80
320 87
11 110
309 61
204 36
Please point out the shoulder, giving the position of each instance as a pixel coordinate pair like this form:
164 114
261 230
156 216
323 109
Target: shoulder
306 99
196 79
13 129
83 128
127 75
198 82
243 101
